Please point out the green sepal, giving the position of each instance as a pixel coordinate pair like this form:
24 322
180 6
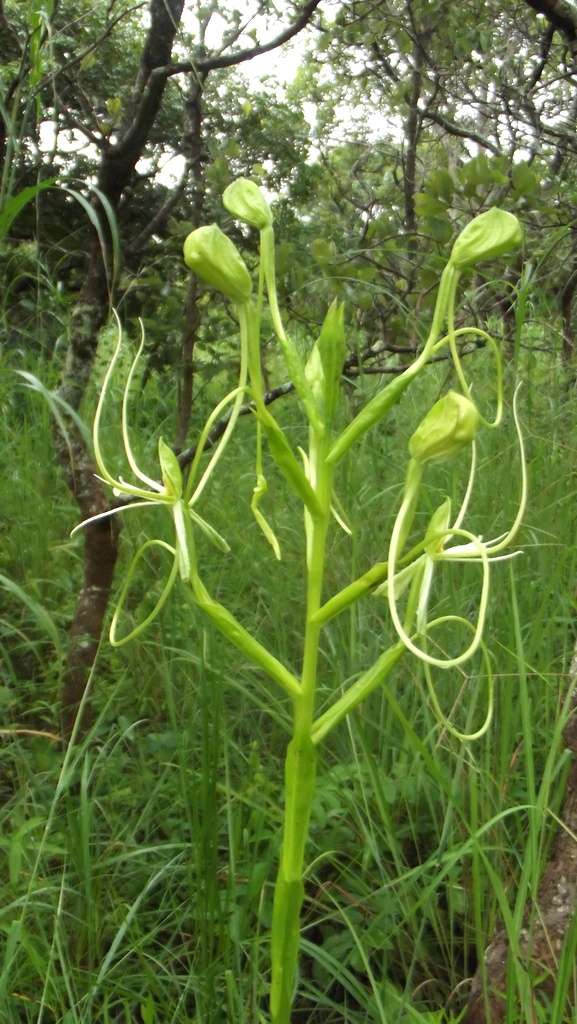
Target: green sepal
215 538
259 491
170 470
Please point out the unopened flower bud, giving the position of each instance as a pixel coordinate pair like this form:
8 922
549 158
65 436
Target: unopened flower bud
449 425
489 235
216 260
245 201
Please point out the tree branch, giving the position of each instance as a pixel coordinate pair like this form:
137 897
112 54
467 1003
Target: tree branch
561 15
218 62
460 133
136 245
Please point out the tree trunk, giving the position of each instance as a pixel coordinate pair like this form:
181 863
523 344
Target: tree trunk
100 552
567 296
193 151
412 133
541 939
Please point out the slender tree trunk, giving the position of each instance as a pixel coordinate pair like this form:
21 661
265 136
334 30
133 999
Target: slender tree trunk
567 297
100 552
100 549
193 151
412 132
541 940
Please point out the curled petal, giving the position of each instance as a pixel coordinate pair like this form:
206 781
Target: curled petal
126 587
125 437
452 339
236 396
470 482
392 598
119 486
464 737
493 547
112 512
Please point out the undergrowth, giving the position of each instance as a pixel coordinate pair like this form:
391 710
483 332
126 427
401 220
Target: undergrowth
137 869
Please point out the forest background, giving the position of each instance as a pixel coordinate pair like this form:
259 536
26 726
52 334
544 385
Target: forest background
140 809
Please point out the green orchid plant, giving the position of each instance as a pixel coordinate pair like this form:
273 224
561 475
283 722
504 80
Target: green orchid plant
405 578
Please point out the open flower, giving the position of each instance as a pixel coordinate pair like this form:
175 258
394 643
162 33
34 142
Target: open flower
169 492
417 577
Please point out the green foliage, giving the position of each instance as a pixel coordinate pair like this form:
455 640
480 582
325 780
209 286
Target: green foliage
136 871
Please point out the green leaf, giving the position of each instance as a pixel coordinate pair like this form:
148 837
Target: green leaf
38 612
427 205
12 207
525 181
148 1011
114 107
88 61
441 184
322 250
439 228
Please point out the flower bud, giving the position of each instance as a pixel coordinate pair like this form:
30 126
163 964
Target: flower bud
449 425
246 202
216 261
490 234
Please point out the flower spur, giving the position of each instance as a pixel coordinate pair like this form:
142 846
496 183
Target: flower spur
169 492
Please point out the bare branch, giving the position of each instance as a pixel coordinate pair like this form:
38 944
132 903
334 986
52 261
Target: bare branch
137 244
459 132
216 62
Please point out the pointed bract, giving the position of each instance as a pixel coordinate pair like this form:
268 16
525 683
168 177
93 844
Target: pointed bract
170 470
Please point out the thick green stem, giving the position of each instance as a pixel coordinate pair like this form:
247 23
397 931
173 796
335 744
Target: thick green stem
300 765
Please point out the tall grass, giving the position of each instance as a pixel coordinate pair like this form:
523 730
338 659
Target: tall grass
137 873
